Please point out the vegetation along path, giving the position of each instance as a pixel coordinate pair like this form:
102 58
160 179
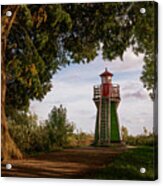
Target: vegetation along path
69 163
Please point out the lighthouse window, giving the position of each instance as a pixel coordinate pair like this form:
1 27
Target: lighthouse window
106 79
109 78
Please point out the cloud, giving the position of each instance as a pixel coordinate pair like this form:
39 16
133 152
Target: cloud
131 85
130 62
138 95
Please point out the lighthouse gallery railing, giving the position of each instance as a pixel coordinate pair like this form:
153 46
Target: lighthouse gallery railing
115 91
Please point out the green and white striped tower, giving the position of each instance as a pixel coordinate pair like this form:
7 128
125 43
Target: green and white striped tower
106 98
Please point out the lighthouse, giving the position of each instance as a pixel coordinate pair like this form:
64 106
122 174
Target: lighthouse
106 98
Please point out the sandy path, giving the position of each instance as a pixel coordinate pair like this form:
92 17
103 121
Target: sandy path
69 163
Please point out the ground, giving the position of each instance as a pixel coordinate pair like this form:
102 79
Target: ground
69 163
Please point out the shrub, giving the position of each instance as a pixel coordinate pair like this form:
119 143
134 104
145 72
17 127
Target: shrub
141 140
31 136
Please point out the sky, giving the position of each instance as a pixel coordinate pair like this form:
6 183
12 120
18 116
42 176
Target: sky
73 88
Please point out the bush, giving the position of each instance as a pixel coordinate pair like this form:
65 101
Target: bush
31 136
83 139
28 135
141 140
59 128
147 138
55 133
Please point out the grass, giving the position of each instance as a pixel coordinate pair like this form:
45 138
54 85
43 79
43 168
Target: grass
127 166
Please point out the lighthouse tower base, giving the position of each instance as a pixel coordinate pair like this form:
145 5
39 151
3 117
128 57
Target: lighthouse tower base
107 124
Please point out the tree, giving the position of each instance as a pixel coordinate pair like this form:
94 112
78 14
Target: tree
8 146
124 132
145 131
59 127
27 63
37 40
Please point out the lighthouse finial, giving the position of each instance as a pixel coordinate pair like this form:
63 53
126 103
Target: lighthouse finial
106 73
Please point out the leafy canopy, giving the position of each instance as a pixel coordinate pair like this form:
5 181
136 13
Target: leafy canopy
45 38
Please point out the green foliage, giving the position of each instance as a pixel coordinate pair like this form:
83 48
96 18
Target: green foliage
31 136
34 53
59 128
27 134
127 166
141 140
79 139
55 133
146 139
83 139
124 133
45 38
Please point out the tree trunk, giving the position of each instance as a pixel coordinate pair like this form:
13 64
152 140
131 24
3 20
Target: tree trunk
9 148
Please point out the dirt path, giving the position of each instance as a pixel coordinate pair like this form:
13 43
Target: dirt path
69 163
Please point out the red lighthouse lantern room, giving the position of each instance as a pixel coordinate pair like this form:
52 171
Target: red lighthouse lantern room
106 79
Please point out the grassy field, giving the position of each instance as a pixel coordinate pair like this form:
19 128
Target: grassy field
127 166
